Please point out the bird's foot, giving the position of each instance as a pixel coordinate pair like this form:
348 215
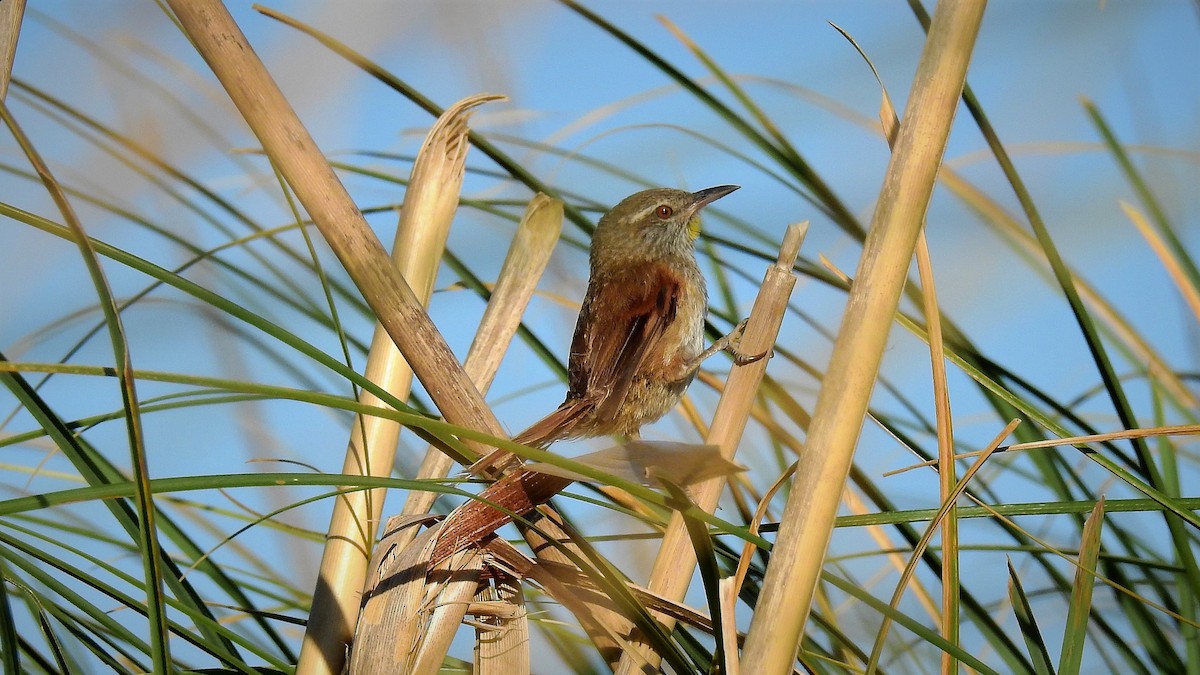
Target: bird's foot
734 339
730 343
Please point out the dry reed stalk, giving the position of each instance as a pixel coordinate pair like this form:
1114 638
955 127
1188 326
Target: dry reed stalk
413 620
807 524
672 571
945 441
1122 435
729 588
11 12
429 205
948 621
501 628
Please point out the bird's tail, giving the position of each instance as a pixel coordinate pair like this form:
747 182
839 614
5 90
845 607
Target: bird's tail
557 425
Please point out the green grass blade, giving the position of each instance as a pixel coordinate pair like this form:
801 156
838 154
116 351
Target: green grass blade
10 654
1038 654
105 624
1075 632
88 576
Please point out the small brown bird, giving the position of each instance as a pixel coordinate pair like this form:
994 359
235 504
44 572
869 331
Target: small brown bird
640 335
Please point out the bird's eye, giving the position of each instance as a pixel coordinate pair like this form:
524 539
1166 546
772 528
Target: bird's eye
664 211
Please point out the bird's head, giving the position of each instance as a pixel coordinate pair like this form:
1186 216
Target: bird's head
654 223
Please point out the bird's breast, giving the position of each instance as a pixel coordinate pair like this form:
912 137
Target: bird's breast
683 340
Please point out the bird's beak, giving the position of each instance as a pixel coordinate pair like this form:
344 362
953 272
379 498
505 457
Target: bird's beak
709 195
700 200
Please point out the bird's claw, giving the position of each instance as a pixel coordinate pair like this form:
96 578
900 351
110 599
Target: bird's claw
741 358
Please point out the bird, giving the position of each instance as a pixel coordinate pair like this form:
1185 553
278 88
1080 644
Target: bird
639 338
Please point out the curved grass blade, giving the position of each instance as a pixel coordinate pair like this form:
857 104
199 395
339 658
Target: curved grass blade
97 473
107 624
87 575
1175 266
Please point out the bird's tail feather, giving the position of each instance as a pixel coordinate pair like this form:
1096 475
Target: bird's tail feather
557 425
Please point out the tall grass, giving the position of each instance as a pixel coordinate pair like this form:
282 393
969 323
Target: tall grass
1045 525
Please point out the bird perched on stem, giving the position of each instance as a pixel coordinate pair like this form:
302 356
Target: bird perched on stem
640 335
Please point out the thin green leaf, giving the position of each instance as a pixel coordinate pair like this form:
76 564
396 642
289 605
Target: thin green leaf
1038 653
10 655
710 573
1075 632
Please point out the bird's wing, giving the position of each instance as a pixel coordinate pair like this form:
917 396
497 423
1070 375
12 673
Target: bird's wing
622 318
627 316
